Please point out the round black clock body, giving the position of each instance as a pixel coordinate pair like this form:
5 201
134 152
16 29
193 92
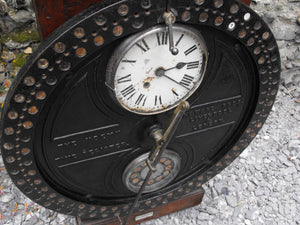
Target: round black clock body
71 139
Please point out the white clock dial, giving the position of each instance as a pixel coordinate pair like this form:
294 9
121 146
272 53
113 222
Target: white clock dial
146 78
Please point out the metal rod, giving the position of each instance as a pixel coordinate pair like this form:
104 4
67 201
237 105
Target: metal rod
170 19
168 8
158 150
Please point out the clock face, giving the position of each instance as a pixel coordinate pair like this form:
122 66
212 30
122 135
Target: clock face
146 78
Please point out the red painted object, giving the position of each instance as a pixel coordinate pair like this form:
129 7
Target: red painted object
53 13
187 201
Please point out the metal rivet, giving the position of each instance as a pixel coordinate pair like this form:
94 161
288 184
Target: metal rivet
43 63
47 204
100 20
37 182
60 47
234 8
27 124
41 95
44 189
242 33
275 70
218 21
65 66
138 23
218 3
9 131
20 182
33 110
93 215
29 81
12 115
19 98
98 40
257 50
81 52
199 2
123 10
203 17
10 159
146 4
118 30
247 16
231 26
25 151
251 41
14 172
28 163
257 25
186 16
31 172
52 195
265 35
81 206
79 32
261 60
51 80
61 200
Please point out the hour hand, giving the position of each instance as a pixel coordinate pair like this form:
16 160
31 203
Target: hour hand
178 66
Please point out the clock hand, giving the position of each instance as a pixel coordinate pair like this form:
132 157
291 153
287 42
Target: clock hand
178 66
170 78
160 72
162 140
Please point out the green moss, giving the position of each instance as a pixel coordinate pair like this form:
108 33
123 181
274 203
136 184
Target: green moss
21 35
19 60
2 89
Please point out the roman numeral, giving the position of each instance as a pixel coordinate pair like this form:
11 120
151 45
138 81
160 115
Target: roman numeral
127 91
179 40
140 99
174 92
193 65
143 45
190 50
158 100
128 61
186 80
162 38
124 79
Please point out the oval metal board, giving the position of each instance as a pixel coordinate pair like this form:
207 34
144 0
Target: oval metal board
86 41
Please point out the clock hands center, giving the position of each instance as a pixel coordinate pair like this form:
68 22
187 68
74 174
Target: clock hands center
160 72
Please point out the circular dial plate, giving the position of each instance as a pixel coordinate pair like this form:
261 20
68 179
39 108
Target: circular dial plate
168 168
148 78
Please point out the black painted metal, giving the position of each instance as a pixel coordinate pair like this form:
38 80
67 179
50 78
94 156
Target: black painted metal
65 142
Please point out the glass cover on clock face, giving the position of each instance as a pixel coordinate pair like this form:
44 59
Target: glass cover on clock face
146 78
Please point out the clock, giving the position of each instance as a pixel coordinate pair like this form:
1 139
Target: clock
78 123
146 78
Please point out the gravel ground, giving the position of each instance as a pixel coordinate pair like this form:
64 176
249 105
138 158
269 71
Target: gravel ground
261 187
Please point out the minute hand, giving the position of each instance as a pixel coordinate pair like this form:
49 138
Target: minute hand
170 78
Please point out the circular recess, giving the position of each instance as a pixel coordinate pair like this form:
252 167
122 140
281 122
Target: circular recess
166 170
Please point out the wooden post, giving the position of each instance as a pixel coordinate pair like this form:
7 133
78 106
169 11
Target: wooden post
184 202
51 14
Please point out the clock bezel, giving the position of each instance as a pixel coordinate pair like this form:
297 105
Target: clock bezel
127 44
